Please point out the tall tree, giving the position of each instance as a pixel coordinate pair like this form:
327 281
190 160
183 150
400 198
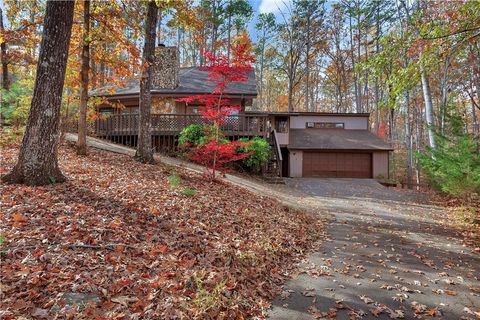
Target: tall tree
144 149
238 13
265 26
3 58
292 41
38 161
82 116
312 14
3 55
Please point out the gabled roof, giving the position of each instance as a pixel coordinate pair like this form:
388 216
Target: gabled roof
335 139
192 80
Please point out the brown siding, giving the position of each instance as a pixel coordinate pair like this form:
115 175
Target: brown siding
358 123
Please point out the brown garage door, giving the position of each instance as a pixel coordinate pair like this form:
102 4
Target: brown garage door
337 164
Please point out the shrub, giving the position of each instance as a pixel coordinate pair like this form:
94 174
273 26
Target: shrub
195 134
16 102
189 192
174 180
453 167
260 150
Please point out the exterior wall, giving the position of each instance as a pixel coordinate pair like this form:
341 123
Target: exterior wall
163 105
380 164
282 139
159 105
359 123
295 160
181 107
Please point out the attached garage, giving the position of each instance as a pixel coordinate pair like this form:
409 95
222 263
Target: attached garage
337 164
337 153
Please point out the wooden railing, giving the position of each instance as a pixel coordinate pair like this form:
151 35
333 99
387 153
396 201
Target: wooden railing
278 152
172 124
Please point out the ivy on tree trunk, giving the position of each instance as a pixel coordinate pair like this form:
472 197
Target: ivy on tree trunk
37 162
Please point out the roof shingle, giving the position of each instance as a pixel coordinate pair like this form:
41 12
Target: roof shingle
192 80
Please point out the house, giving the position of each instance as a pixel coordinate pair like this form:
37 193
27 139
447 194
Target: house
305 144
119 111
337 145
169 83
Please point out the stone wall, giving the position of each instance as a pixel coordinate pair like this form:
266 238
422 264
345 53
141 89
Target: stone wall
165 68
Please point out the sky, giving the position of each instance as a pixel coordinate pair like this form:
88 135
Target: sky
259 6
265 6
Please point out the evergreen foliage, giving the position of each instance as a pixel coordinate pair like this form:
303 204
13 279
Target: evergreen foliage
453 167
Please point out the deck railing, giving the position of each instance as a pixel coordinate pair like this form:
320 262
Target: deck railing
172 124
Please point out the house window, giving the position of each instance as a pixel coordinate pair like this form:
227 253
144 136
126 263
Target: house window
281 125
326 125
130 110
106 111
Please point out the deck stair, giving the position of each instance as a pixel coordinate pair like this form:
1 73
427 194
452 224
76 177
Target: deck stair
272 171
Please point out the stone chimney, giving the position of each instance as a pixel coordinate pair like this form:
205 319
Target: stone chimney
165 68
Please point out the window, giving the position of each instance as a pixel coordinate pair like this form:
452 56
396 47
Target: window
325 125
130 110
281 124
106 111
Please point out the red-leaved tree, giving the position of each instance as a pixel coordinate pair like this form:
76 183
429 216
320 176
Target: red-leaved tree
215 153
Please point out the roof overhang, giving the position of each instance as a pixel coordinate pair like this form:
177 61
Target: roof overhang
170 95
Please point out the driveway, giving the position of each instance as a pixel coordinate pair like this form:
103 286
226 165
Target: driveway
387 256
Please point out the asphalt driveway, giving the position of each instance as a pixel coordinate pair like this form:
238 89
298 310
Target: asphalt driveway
387 256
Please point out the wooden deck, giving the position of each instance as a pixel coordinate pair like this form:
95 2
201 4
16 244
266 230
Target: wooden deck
123 128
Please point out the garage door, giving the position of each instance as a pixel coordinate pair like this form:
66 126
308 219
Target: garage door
337 164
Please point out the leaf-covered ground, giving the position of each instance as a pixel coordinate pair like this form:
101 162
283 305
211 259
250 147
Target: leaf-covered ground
122 240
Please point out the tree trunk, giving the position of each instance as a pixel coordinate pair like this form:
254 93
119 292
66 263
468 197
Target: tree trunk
82 115
307 66
37 162
290 95
377 50
260 87
103 66
229 36
444 95
427 97
3 57
355 81
475 125
408 140
144 150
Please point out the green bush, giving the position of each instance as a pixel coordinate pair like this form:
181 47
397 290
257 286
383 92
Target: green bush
189 192
261 153
16 102
453 167
174 180
195 134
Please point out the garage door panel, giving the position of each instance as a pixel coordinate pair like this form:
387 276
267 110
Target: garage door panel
337 164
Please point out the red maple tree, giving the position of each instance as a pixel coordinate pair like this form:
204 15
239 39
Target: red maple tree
215 107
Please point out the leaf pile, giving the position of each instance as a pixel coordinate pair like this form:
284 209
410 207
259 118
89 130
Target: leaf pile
118 241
